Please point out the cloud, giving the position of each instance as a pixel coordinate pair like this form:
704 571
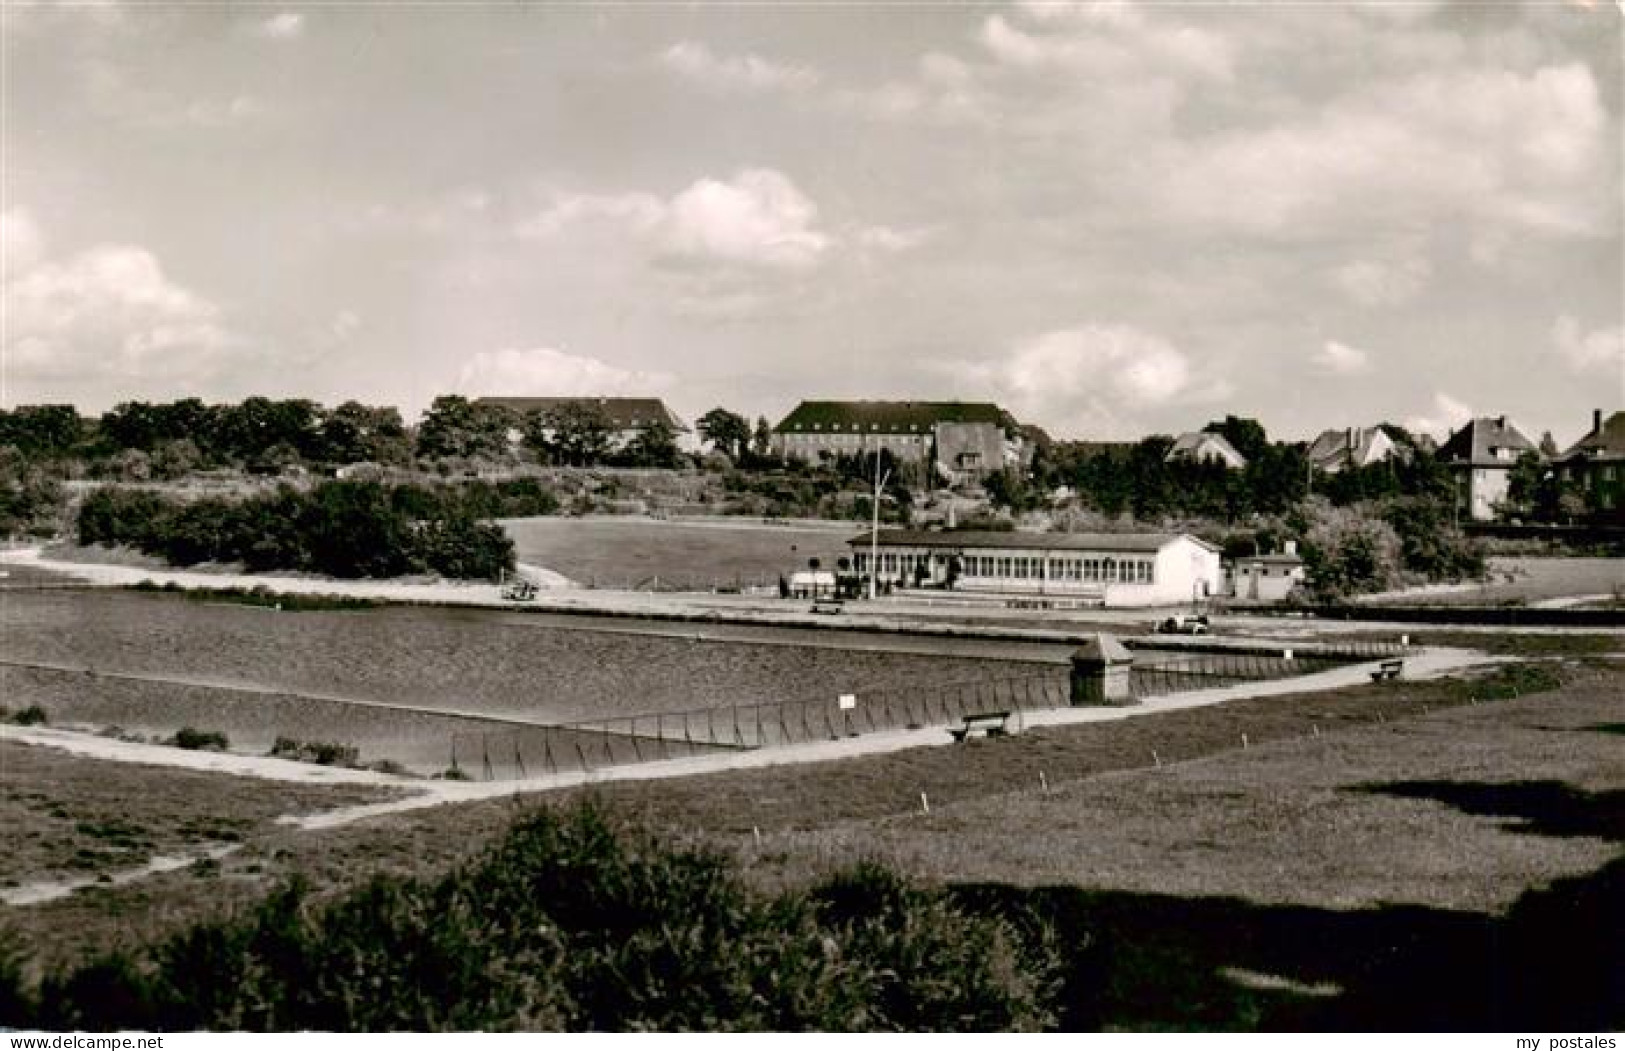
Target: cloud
694 61
109 312
1088 378
21 245
1105 40
287 25
1447 416
544 371
1342 359
1601 349
1383 282
758 218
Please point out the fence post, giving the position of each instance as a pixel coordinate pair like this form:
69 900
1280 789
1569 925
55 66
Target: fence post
550 764
519 758
586 767
485 747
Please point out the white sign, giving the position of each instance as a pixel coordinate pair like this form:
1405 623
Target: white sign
849 701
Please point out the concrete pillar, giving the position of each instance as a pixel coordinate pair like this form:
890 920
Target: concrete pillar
1100 672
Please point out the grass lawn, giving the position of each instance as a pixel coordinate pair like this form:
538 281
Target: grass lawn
633 552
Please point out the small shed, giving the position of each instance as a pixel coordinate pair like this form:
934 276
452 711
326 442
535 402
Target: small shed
1100 671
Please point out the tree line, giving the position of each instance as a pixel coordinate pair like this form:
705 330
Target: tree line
340 529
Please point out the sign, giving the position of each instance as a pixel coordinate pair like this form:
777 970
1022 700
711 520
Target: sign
849 701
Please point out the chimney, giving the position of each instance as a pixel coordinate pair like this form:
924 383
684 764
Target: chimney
1501 422
1596 421
1290 547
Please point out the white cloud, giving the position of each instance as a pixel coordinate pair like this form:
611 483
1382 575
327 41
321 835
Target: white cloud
696 62
1342 359
544 371
109 312
1384 282
759 218
1447 416
21 245
1106 40
287 25
1088 378
1602 348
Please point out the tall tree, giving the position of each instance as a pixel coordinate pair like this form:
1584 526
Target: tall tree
576 433
654 446
455 426
728 432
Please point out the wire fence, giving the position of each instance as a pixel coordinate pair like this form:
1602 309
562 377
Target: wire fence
583 747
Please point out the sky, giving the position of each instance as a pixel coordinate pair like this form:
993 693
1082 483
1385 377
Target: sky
1113 219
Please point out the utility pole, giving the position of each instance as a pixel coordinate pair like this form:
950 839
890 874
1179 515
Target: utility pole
874 534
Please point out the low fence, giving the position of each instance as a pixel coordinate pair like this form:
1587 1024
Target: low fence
583 747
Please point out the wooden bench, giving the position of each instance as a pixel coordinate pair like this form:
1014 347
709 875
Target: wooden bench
988 724
1388 670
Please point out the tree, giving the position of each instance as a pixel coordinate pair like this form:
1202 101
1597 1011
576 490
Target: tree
727 432
576 433
455 426
761 440
357 433
654 446
1247 435
42 430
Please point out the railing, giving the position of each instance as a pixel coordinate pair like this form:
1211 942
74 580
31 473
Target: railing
582 747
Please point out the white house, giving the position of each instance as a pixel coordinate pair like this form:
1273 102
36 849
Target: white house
1109 569
1268 578
1205 447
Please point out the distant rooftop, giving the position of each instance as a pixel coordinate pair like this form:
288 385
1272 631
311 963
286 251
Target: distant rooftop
1110 542
1608 440
891 417
622 413
1477 441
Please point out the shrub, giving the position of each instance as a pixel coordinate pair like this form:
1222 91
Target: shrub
571 922
322 753
33 715
200 740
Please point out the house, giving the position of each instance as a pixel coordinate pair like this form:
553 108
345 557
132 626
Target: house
965 441
1336 449
1595 465
627 417
1480 458
1267 578
1205 447
1107 569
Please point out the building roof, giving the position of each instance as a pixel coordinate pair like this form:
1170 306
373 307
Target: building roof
1606 441
1478 439
1279 558
622 413
1109 542
890 417
1202 444
1357 445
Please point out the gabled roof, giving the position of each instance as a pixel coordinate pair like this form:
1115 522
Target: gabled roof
622 413
1194 445
891 417
1357 445
1607 441
1476 441
1106 542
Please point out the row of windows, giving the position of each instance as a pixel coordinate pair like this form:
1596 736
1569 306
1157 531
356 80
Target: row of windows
858 427
850 439
1027 567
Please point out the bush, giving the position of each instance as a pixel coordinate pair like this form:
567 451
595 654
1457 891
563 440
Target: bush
322 753
200 740
573 923
33 715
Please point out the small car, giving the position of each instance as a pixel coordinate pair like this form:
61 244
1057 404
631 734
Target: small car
1184 624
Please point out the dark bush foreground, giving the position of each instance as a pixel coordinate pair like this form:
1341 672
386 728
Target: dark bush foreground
571 924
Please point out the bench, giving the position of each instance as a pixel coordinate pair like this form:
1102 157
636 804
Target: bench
988 724
827 607
1388 670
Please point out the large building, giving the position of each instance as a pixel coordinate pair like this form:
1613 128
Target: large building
965 440
1595 465
1336 449
627 417
1109 569
1480 458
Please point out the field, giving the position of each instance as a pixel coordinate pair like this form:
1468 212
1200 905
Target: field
1525 581
633 552
153 663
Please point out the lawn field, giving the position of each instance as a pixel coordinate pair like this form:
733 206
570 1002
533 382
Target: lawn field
1525 581
643 553
1350 812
